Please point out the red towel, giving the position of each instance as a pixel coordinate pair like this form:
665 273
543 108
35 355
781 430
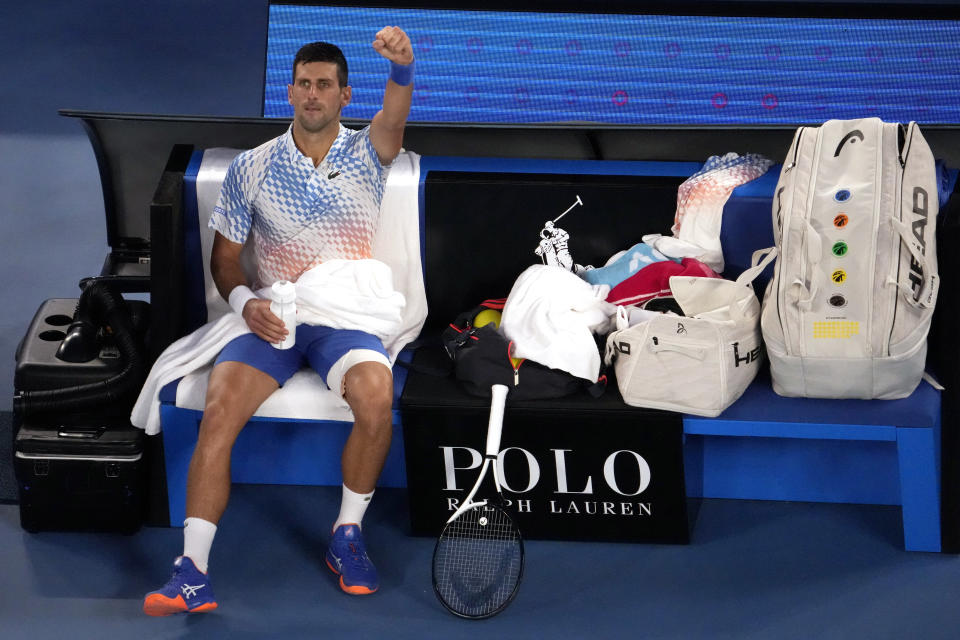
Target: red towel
653 281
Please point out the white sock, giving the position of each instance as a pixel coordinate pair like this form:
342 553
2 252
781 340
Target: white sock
197 540
352 507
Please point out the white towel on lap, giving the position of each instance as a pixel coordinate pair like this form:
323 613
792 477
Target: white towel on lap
350 294
344 294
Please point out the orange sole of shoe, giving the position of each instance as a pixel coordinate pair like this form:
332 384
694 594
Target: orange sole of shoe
354 591
157 605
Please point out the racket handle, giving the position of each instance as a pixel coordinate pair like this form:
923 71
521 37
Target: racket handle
498 398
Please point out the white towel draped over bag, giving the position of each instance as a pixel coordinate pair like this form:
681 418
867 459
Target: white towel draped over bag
551 315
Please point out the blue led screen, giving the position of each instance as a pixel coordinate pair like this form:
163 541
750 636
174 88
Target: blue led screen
524 67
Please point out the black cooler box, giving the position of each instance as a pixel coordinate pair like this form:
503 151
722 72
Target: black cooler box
75 469
84 477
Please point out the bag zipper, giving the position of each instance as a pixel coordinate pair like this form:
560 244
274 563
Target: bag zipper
794 344
875 233
902 158
781 306
683 347
515 367
801 349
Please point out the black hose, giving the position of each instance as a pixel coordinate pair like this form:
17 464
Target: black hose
99 305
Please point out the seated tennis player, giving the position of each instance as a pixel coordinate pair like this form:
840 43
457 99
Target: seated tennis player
311 195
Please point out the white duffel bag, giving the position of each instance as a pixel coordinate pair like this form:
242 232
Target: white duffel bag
697 363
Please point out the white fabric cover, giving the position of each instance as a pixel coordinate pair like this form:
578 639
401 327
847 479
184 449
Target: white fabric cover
305 395
350 294
700 201
551 316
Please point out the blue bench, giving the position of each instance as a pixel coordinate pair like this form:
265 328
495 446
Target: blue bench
767 447
763 447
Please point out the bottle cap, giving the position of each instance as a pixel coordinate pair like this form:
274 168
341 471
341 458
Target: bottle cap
283 291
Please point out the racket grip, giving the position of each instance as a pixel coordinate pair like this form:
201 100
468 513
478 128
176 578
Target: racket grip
498 398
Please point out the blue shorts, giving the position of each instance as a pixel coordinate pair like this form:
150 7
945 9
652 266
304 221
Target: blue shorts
320 347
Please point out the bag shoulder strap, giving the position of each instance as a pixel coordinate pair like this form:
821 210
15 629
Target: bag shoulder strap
758 262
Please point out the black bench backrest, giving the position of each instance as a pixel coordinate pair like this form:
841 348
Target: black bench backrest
481 229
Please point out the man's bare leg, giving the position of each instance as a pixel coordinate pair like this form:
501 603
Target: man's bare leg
234 393
368 389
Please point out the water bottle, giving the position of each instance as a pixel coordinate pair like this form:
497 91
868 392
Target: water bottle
284 306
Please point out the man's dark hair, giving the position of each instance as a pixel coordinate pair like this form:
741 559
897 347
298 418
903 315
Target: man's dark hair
322 52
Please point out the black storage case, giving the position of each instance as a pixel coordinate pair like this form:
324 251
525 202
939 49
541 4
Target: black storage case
80 477
75 470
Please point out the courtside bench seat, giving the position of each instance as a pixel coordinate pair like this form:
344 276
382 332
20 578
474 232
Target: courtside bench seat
480 220
767 447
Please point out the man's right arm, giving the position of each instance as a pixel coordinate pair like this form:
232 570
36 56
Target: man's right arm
227 272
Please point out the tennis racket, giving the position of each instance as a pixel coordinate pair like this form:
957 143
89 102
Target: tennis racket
478 560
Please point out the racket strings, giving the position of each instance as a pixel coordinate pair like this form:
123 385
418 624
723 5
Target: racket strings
478 562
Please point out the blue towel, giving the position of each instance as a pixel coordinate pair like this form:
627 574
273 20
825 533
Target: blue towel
633 259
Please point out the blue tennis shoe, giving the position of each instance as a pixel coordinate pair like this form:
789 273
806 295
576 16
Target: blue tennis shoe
188 590
347 557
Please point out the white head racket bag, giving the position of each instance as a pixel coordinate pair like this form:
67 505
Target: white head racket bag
847 312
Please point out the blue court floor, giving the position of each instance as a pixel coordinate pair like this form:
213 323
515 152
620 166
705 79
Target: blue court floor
753 570
766 570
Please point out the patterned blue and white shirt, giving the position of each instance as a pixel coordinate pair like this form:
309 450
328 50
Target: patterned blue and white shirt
301 215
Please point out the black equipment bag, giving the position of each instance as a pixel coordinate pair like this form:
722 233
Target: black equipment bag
482 357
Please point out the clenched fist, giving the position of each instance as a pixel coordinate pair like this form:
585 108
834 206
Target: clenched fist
394 45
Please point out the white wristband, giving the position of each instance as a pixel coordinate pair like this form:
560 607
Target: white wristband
239 297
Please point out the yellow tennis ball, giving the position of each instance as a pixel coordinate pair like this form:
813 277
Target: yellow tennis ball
487 316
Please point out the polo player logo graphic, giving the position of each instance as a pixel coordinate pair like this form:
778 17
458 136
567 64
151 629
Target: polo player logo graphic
553 248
